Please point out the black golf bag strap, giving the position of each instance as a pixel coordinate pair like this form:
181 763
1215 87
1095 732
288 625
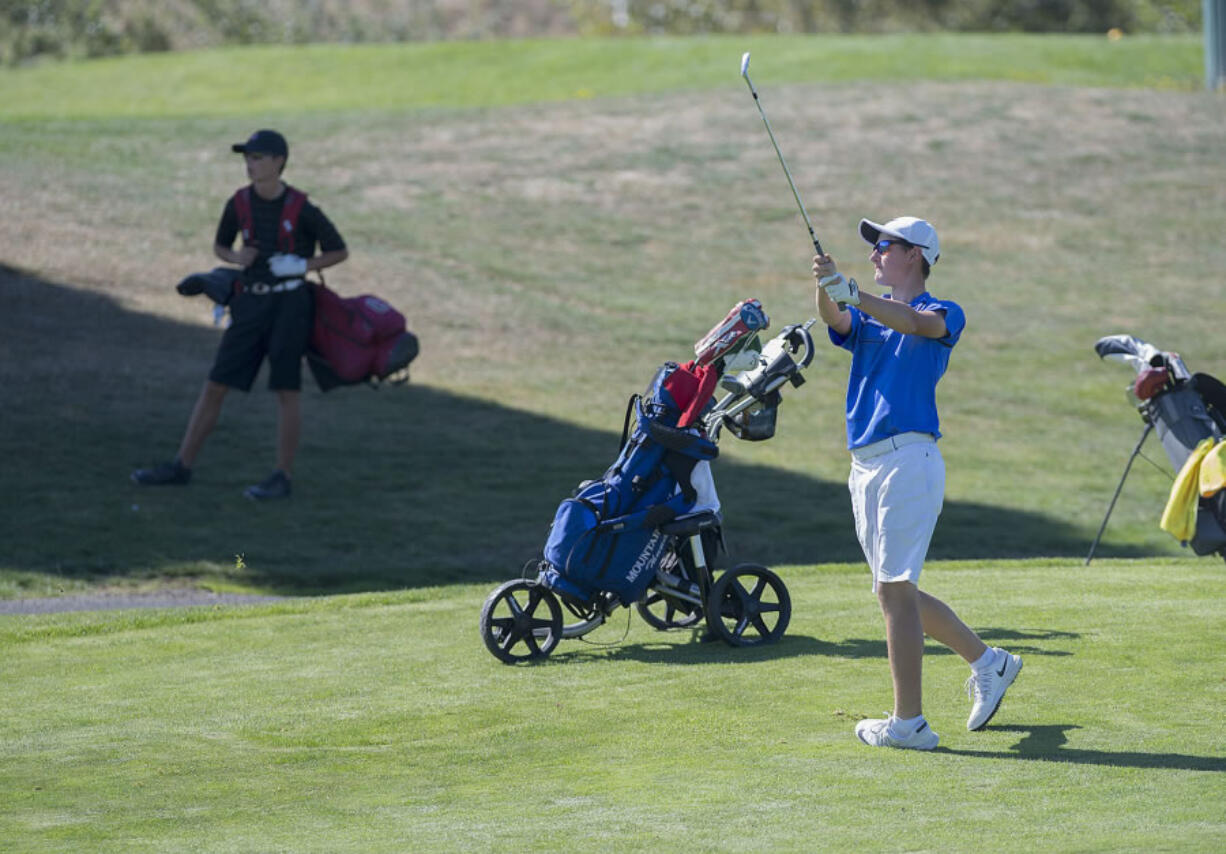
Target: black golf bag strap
681 467
1213 392
691 523
659 515
677 439
630 404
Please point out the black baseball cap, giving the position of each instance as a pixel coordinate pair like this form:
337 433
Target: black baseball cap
263 142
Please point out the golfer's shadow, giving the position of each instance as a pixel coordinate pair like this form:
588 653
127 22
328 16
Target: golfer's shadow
683 646
1047 743
876 647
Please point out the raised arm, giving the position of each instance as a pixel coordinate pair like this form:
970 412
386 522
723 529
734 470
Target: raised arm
834 288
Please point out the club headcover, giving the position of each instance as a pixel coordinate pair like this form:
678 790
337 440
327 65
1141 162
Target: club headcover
746 318
217 285
1150 381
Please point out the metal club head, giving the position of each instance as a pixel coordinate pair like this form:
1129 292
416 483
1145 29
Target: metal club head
745 65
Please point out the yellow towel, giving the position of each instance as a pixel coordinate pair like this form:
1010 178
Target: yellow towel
1213 471
1179 517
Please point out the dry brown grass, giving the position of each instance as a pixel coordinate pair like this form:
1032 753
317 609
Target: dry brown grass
1035 191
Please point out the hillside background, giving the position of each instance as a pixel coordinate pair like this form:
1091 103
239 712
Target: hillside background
33 30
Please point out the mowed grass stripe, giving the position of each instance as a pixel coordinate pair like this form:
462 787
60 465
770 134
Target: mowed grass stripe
279 80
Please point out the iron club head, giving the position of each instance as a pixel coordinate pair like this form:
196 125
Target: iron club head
745 64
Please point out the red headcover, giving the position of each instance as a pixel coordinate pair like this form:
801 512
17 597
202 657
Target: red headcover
1149 382
691 386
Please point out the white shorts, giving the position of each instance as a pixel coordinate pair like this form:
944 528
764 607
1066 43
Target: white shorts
896 498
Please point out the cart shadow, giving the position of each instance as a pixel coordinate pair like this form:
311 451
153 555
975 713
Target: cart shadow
1046 743
680 646
689 648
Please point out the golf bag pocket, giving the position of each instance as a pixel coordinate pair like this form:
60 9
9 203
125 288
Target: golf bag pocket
618 556
1210 535
572 542
1181 421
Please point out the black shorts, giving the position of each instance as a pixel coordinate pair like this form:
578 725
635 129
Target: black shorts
274 325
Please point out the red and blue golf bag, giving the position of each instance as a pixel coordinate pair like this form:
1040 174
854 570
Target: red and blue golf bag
606 537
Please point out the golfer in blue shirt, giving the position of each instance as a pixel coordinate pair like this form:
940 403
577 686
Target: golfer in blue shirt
900 345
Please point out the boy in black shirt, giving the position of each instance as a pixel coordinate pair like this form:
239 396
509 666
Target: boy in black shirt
271 311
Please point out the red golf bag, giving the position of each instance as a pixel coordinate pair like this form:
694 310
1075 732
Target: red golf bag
358 339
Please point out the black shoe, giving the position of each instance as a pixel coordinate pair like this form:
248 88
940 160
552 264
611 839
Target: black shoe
163 474
276 485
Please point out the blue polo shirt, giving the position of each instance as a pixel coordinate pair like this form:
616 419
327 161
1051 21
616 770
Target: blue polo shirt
893 383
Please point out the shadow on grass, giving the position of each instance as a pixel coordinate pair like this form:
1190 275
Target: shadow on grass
403 487
681 646
1046 743
876 648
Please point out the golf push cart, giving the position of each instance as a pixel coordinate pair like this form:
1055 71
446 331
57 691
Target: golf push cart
646 533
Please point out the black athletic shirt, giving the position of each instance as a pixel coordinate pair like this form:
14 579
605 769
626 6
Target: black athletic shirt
314 228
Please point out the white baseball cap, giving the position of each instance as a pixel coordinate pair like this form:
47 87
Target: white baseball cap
918 232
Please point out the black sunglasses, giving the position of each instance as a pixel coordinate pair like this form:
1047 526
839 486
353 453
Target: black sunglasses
881 245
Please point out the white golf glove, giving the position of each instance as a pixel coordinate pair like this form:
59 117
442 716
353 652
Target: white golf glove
285 266
841 289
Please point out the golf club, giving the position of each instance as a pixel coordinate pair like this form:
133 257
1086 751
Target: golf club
745 73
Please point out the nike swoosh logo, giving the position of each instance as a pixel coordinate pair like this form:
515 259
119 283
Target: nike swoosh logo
1003 667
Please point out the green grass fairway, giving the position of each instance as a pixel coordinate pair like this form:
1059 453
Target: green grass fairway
286 80
380 723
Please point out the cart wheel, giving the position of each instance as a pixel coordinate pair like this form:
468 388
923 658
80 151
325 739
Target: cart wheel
664 612
514 625
748 605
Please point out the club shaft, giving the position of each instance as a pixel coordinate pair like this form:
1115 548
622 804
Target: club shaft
795 194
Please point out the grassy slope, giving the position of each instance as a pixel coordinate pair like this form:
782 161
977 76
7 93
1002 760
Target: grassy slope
536 247
374 722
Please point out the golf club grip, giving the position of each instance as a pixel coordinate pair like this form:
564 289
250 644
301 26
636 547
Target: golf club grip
818 247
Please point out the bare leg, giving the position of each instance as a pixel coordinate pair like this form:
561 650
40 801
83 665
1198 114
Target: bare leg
289 429
944 625
904 637
202 421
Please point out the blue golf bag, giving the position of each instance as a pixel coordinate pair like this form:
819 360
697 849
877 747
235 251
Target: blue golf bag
607 537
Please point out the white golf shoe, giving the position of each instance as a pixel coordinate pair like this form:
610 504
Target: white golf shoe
987 687
877 732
